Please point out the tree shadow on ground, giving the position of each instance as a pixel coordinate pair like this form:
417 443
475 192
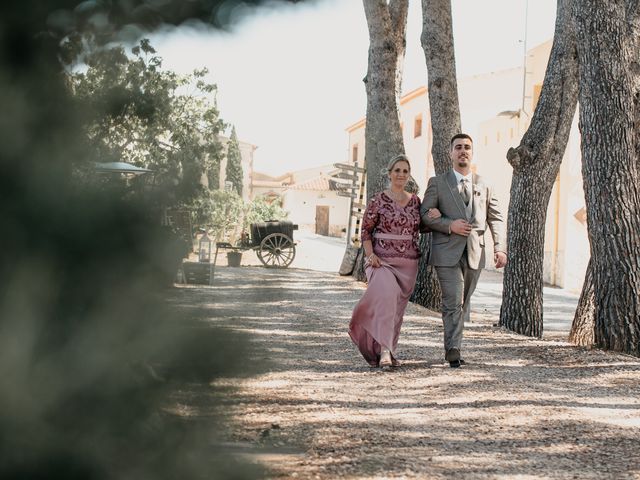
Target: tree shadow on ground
520 406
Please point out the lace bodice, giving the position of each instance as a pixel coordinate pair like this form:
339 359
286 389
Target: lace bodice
384 216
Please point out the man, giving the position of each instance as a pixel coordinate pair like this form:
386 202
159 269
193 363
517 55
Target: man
467 207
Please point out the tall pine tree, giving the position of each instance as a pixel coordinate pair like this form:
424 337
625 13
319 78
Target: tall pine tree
437 43
233 172
213 175
536 163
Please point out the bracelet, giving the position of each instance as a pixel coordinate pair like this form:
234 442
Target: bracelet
369 257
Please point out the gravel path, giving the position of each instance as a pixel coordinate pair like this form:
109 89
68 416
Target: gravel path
520 409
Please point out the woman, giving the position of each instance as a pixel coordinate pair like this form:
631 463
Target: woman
390 233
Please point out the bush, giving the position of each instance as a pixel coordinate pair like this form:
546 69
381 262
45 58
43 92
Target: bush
226 215
221 213
259 210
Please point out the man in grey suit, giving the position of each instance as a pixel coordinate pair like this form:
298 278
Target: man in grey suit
467 207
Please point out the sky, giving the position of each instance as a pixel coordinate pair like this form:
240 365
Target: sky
289 77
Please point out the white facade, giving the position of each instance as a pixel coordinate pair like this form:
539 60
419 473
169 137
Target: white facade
485 95
566 248
263 185
312 191
302 193
302 207
415 121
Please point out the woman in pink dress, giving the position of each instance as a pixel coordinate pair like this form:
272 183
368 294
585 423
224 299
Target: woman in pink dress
390 233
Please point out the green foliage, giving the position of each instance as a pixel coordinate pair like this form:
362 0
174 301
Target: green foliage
136 112
259 210
213 175
227 215
92 357
221 212
233 172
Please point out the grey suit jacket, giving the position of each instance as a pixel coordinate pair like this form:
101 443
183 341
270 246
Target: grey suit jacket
447 248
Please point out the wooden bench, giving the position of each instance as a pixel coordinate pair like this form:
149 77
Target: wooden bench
198 273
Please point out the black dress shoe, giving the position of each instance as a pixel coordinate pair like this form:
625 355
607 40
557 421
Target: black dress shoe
453 354
454 363
462 362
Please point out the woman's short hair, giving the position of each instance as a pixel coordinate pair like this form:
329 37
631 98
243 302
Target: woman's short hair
398 158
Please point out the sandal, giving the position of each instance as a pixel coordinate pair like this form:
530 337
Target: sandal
385 359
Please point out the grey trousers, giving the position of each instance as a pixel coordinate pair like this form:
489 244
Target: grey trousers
457 284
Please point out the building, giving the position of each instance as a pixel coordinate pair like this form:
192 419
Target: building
415 122
566 247
271 188
315 205
482 96
496 109
310 196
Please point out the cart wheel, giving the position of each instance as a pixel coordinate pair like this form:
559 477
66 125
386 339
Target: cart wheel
277 251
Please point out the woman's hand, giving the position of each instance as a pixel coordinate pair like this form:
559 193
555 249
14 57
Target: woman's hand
434 213
373 260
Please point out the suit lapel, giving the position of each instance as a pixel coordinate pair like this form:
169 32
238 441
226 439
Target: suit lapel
453 187
478 185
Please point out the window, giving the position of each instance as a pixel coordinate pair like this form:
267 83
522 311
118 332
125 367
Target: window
498 137
354 157
511 132
417 127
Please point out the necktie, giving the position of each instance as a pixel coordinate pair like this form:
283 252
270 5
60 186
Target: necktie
464 191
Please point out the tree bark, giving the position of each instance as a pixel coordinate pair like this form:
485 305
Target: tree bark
609 75
582 328
536 162
387 22
437 43
427 291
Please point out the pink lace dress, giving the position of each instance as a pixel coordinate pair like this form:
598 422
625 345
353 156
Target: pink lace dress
394 233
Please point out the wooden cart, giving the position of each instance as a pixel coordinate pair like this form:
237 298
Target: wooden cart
272 241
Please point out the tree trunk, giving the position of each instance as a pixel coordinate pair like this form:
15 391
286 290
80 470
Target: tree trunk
609 74
387 24
437 43
427 290
582 329
536 162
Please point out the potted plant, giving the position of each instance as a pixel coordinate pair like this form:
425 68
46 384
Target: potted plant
234 257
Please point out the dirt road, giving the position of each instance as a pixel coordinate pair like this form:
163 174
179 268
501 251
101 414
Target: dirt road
521 408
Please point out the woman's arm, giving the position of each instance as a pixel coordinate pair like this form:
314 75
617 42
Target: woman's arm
369 222
371 257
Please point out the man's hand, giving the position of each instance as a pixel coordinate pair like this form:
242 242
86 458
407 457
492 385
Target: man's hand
500 258
461 227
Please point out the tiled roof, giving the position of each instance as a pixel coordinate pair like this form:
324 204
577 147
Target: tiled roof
320 183
264 177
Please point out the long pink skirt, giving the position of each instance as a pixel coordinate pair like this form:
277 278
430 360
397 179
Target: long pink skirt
377 318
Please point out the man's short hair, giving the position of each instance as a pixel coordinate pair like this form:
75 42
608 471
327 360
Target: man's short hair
459 135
